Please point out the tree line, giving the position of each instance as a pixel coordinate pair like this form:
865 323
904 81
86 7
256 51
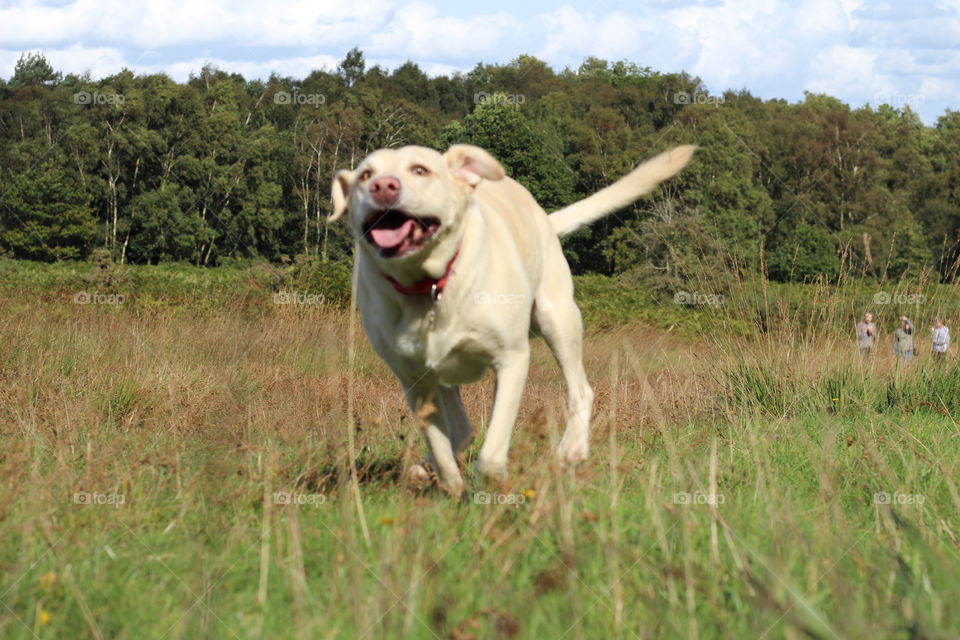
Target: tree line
143 169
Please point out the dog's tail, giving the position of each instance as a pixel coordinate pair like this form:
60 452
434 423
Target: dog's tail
624 191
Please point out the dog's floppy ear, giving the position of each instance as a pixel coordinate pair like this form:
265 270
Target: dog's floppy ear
340 193
472 164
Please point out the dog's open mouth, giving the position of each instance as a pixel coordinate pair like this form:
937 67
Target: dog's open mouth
396 233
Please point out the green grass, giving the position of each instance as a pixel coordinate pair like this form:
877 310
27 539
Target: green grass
604 554
198 414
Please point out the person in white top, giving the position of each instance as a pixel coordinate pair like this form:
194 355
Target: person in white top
941 338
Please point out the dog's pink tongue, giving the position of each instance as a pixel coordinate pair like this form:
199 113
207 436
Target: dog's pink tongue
391 238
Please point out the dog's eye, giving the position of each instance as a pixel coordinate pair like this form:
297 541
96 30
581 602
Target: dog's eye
420 170
365 175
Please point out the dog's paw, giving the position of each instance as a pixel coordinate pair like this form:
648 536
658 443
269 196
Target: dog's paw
420 475
571 452
491 469
455 488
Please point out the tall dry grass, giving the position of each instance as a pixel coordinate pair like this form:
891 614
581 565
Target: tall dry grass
199 415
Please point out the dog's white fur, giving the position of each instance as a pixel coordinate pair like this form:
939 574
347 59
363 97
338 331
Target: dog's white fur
509 279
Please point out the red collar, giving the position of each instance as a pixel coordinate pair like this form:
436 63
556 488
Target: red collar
426 285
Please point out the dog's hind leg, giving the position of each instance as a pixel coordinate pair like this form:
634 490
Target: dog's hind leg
558 320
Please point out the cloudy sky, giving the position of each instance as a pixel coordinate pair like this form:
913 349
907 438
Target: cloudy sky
862 51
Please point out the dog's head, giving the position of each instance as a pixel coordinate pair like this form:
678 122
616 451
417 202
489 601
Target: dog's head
402 202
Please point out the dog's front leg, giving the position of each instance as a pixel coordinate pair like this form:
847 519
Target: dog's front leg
511 374
423 399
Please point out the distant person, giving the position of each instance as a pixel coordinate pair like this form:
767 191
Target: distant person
866 331
941 339
903 339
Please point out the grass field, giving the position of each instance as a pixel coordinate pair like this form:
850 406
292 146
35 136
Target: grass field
208 463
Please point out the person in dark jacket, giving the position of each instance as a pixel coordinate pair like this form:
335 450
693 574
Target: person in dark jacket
903 339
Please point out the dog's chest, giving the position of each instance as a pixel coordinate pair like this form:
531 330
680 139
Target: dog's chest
455 353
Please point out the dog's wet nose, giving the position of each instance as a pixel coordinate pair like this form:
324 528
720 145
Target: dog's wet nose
385 190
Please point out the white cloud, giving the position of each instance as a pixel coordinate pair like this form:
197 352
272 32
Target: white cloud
937 91
848 73
107 61
299 67
570 35
99 61
852 49
418 30
166 23
318 23
732 51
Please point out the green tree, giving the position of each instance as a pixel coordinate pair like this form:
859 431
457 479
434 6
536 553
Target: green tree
44 215
498 126
351 67
670 248
808 253
33 70
217 167
165 226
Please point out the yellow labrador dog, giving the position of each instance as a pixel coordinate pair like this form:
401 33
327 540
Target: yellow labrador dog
456 265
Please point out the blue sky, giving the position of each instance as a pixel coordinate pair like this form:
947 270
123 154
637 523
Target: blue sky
862 51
